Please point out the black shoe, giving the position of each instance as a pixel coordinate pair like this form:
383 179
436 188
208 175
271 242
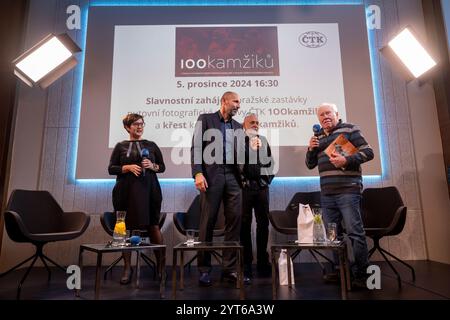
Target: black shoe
126 279
232 277
331 277
204 280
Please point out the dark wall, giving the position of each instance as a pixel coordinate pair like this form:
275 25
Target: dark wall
12 24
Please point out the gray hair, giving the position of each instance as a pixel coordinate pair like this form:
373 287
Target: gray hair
250 114
327 104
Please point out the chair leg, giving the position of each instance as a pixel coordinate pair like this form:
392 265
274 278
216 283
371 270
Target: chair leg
43 258
38 254
371 251
324 256
402 262
324 271
54 263
399 280
295 254
17 266
150 263
19 288
376 245
217 256
112 265
47 268
190 262
153 265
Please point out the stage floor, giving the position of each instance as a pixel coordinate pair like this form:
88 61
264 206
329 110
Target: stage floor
432 283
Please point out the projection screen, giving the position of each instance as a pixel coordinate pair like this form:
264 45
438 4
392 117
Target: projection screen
171 64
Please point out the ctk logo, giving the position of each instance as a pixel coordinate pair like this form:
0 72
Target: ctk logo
312 39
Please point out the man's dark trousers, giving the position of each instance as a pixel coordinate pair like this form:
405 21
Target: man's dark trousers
257 198
224 187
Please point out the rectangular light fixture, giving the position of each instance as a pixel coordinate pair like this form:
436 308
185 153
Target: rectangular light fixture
411 53
48 60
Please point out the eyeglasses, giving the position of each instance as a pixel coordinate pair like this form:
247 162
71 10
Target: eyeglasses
138 124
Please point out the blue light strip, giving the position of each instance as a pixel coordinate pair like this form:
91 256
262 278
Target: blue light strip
378 105
99 181
110 3
78 96
138 3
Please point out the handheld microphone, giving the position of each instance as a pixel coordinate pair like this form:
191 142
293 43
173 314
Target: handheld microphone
316 129
145 154
252 136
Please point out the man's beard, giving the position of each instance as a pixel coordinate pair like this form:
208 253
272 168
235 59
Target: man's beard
252 133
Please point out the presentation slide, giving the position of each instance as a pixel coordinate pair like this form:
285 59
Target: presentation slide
280 71
171 64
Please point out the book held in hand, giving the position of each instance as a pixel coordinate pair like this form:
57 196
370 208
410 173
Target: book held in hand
341 146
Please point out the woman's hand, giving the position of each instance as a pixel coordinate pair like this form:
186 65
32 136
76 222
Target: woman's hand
147 164
133 168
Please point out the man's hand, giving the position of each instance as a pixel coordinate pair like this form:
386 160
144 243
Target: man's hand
255 143
337 160
313 143
133 168
200 182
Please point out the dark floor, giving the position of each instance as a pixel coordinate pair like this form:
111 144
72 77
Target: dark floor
432 283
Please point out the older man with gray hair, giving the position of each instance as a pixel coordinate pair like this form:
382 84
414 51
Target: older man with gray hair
341 183
255 195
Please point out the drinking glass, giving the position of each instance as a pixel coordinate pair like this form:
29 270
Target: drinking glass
331 232
190 237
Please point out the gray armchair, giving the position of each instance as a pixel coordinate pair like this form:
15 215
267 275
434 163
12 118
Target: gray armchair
35 217
384 214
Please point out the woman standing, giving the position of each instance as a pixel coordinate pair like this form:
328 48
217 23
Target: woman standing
137 191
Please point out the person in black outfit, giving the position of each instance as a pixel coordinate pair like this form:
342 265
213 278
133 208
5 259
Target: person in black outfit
137 190
258 172
215 167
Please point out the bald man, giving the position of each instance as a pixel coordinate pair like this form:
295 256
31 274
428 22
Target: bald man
219 177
